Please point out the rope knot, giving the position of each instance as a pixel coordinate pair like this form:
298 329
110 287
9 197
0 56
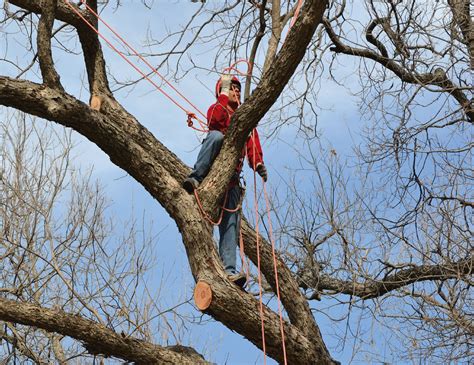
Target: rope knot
191 116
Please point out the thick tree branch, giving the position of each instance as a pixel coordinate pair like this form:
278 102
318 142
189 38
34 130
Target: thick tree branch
369 35
45 26
240 312
63 12
275 36
93 56
128 144
256 43
376 288
96 338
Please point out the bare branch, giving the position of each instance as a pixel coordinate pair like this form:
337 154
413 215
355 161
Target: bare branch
436 78
373 288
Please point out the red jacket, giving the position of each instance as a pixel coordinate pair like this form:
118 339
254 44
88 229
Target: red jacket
218 119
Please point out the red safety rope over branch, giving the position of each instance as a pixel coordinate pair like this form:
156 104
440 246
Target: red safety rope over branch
190 115
233 67
297 12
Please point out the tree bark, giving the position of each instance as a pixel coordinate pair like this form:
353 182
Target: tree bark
96 338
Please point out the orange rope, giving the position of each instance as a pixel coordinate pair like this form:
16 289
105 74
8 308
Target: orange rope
272 240
258 251
234 68
297 11
189 114
204 213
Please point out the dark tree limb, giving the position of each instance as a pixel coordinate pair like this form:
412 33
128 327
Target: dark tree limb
45 57
256 43
95 337
372 39
63 11
436 78
373 288
93 56
461 13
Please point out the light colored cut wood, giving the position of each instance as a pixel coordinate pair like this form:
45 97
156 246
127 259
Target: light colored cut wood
202 295
96 102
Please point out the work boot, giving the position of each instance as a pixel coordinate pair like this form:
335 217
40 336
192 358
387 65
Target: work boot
238 278
190 184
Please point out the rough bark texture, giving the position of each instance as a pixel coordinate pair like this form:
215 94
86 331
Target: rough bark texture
50 76
461 10
96 338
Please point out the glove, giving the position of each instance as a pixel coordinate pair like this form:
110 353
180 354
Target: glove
225 83
262 171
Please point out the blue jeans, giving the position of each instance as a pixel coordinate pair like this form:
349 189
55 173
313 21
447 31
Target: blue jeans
230 224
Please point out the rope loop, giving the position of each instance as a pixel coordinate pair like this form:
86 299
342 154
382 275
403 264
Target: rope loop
234 68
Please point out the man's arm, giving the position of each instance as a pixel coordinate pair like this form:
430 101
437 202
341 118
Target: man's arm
255 155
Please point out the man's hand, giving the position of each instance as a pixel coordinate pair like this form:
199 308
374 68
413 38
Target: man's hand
226 80
262 171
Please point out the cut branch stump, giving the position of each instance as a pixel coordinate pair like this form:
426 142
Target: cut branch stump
202 295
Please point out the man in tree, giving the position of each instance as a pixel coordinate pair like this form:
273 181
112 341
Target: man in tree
219 117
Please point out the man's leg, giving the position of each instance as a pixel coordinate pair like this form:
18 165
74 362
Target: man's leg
228 235
210 148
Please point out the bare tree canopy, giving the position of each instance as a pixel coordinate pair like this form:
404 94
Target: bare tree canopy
384 235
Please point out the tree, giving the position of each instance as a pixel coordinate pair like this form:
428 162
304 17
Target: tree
307 264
